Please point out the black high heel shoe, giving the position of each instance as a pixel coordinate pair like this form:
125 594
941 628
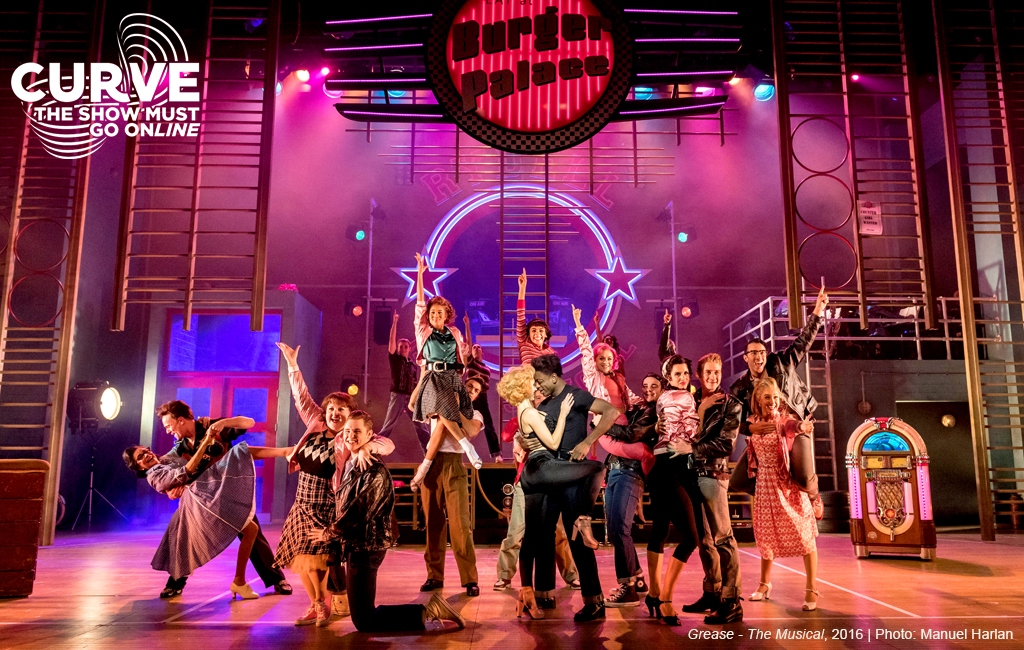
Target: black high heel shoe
672 620
653 606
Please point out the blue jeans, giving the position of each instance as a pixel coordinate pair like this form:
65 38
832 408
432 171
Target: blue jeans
623 490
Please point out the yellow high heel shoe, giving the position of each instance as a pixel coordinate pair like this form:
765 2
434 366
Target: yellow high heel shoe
528 603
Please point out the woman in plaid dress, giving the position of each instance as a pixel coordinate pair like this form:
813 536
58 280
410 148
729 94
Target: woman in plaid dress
317 457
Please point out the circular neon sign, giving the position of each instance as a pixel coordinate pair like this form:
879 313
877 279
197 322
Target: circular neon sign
529 78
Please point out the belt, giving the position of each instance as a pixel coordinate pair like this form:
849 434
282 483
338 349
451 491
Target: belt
441 366
627 464
562 455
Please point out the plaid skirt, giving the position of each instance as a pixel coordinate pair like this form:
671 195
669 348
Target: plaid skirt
313 510
442 393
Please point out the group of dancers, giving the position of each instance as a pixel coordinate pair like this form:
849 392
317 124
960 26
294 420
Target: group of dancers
672 440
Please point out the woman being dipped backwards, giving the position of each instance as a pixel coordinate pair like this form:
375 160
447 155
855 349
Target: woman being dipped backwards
542 472
784 524
440 392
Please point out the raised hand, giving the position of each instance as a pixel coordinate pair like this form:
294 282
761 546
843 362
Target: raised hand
421 264
394 318
576 313
668 316
522 280
821 303
292 355
465 319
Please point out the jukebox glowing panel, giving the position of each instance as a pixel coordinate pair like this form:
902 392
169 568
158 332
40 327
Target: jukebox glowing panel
890 492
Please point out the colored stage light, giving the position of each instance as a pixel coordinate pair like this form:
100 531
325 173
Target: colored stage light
357 310
686 312
855 77
395 94
302 75
350 386
764 92
356 232
683 237
690 308
324 71
277 89
703 91
734 81
643 93
360 235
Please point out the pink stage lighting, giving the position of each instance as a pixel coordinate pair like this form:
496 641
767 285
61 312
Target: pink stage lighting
703 91
302 75
855 77
324 71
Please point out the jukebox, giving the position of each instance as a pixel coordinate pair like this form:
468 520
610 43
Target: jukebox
890 492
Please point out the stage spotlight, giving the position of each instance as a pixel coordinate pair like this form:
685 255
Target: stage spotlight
764 92
643 93
689 308
93 404
687 233
350 386
302 75
356 232
683 237
353 309
855 77
324 71
703 91
734 81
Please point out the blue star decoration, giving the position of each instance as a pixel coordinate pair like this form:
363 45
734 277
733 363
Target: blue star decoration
432 278
619 280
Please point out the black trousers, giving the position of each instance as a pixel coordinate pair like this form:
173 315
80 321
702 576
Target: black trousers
262 558
493 443
558 487
361 580
670 502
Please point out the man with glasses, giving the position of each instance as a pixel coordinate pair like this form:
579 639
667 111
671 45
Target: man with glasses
783 368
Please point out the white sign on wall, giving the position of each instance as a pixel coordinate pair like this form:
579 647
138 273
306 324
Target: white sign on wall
870 216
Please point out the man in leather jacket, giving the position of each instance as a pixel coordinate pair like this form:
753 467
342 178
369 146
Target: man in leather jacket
364 503
783 368
719 415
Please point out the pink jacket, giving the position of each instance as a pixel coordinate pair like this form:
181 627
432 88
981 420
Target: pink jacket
312 416
423 332
679 412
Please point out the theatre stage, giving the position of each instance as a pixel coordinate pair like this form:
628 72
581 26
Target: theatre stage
98 591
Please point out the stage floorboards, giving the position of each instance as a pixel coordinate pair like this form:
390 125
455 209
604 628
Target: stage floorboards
98 591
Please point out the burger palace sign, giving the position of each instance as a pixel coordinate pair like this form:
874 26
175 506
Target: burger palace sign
529 76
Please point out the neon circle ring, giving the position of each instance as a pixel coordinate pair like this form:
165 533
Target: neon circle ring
610 284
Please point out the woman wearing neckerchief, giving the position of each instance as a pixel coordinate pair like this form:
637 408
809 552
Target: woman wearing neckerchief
784 523
666 484
441 392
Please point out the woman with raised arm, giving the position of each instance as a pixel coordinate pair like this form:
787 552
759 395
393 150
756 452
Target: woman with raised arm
440 392
667 483
784 523
216 506
532 337
628 462
319 457
542 472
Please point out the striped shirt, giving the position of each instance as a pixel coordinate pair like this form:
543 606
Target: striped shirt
528 350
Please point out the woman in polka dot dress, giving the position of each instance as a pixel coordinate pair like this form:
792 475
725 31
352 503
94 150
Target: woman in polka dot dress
784 523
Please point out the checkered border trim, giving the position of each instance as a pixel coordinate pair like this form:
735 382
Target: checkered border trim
499 137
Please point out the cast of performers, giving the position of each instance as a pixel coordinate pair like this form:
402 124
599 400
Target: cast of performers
404 377
361 527
784 521
318 457
477 378
441 392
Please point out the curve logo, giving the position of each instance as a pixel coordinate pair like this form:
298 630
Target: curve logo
152 90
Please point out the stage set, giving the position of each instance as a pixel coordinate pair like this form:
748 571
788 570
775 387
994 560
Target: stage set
790 220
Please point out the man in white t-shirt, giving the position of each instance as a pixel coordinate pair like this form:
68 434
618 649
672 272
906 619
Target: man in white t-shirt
446 486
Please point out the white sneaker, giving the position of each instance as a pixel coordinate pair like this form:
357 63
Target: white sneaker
323 613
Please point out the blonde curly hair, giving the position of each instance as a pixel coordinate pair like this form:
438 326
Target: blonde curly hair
516 385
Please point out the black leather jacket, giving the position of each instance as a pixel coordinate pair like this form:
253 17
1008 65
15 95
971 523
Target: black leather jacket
783 369
363 507
717 437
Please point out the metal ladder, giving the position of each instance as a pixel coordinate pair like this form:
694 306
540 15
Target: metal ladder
194 210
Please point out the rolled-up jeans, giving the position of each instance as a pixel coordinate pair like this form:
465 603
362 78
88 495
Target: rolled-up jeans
623 490
719 553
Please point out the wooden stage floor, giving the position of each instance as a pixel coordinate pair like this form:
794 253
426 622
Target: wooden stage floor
98 591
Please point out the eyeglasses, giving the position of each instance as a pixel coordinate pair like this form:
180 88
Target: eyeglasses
756 353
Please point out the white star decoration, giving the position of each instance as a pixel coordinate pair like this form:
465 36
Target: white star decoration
619 280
